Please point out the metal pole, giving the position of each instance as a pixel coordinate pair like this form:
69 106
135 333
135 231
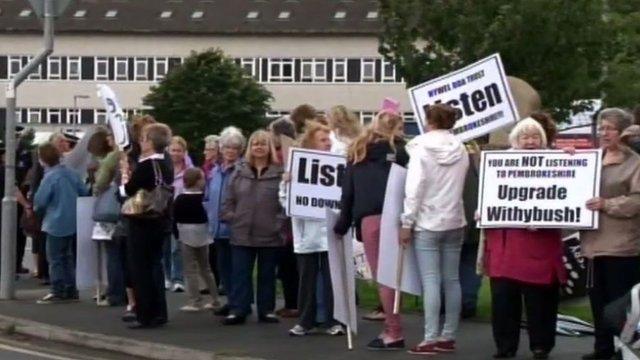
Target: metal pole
9 211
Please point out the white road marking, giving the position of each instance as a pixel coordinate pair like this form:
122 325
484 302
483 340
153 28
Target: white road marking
33 353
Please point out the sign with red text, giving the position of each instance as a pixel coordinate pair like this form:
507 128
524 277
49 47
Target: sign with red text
316 182
538 189
480 91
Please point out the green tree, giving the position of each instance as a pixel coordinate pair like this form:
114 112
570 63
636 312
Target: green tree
558 46
207 93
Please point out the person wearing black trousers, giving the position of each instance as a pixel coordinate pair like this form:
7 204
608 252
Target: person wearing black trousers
145 238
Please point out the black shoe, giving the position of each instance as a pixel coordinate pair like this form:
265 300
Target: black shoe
138 325
268 319
233 320
378 344
540 354
598 356
129 316
223 311
504 355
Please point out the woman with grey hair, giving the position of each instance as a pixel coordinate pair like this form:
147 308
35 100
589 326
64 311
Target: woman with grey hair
232 143
613 250
211 154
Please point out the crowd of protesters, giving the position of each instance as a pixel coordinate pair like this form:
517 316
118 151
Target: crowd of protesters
227 216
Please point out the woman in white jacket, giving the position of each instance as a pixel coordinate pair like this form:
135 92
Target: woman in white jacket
434 212
310 247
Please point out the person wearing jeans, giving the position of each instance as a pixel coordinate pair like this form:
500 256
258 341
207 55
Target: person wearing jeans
434 213
56 198
369 161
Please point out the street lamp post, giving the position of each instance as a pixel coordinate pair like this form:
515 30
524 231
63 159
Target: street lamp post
76 125
48 9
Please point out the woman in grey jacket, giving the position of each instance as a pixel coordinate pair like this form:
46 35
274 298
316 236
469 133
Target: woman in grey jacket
255 215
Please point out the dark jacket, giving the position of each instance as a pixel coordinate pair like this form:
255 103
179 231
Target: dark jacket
365 184
470 200
143 177
252 208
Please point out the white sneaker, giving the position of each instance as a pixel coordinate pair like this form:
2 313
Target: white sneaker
190 308
297 331
335 330
212 306
167 284
177 288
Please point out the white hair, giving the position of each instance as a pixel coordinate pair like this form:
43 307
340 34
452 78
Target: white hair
231 136
211 141
523 126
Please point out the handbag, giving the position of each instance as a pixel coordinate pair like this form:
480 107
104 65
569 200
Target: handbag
107 207
154 204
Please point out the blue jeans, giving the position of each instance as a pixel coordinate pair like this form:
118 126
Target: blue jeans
438 256
62 267
115 272
172 260
244 258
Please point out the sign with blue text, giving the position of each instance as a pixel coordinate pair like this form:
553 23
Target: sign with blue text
479 91
538 189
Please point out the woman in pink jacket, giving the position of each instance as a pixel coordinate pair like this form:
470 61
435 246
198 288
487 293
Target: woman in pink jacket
524 263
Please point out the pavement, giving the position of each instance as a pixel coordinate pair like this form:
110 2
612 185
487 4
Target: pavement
197 336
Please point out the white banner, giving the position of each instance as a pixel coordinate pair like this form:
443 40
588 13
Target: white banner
389 242
316 182
343 277
115 116
480 91
545 189
87 249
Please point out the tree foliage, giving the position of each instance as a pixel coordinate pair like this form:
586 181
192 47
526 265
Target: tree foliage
205 94
561 47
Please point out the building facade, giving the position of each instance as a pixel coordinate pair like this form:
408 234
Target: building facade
323 53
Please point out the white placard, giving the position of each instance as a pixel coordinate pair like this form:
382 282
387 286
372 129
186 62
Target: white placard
316 182
389 242
480 91
544 189
115 116
87 249
343 277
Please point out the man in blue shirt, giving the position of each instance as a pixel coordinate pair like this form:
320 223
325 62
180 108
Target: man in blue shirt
56 199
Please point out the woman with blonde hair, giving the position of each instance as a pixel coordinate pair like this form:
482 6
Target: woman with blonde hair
255 216
345 127
369 160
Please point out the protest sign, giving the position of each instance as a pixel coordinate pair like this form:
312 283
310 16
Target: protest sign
480 91
545 189
388 266
343 282
86 269
316 182
115 116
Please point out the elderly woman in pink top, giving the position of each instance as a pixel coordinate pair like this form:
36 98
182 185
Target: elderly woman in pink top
524 263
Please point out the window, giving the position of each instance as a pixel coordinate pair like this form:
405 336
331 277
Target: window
111 14
54 68
166 14
160 68
340 15
366 117
368 70
72 116
253 15
15 65
25 13
249 67
34 116
37 73
74 68
314 70
272 115
280 70
340 70
53 116
102 68
99 117
79 14
198 14
388 71
372 15
122 68
18 116
284 15
141 68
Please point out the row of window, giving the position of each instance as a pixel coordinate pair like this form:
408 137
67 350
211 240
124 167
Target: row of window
68 116
264 70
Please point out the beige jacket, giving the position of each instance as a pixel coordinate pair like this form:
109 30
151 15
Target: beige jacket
619 231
